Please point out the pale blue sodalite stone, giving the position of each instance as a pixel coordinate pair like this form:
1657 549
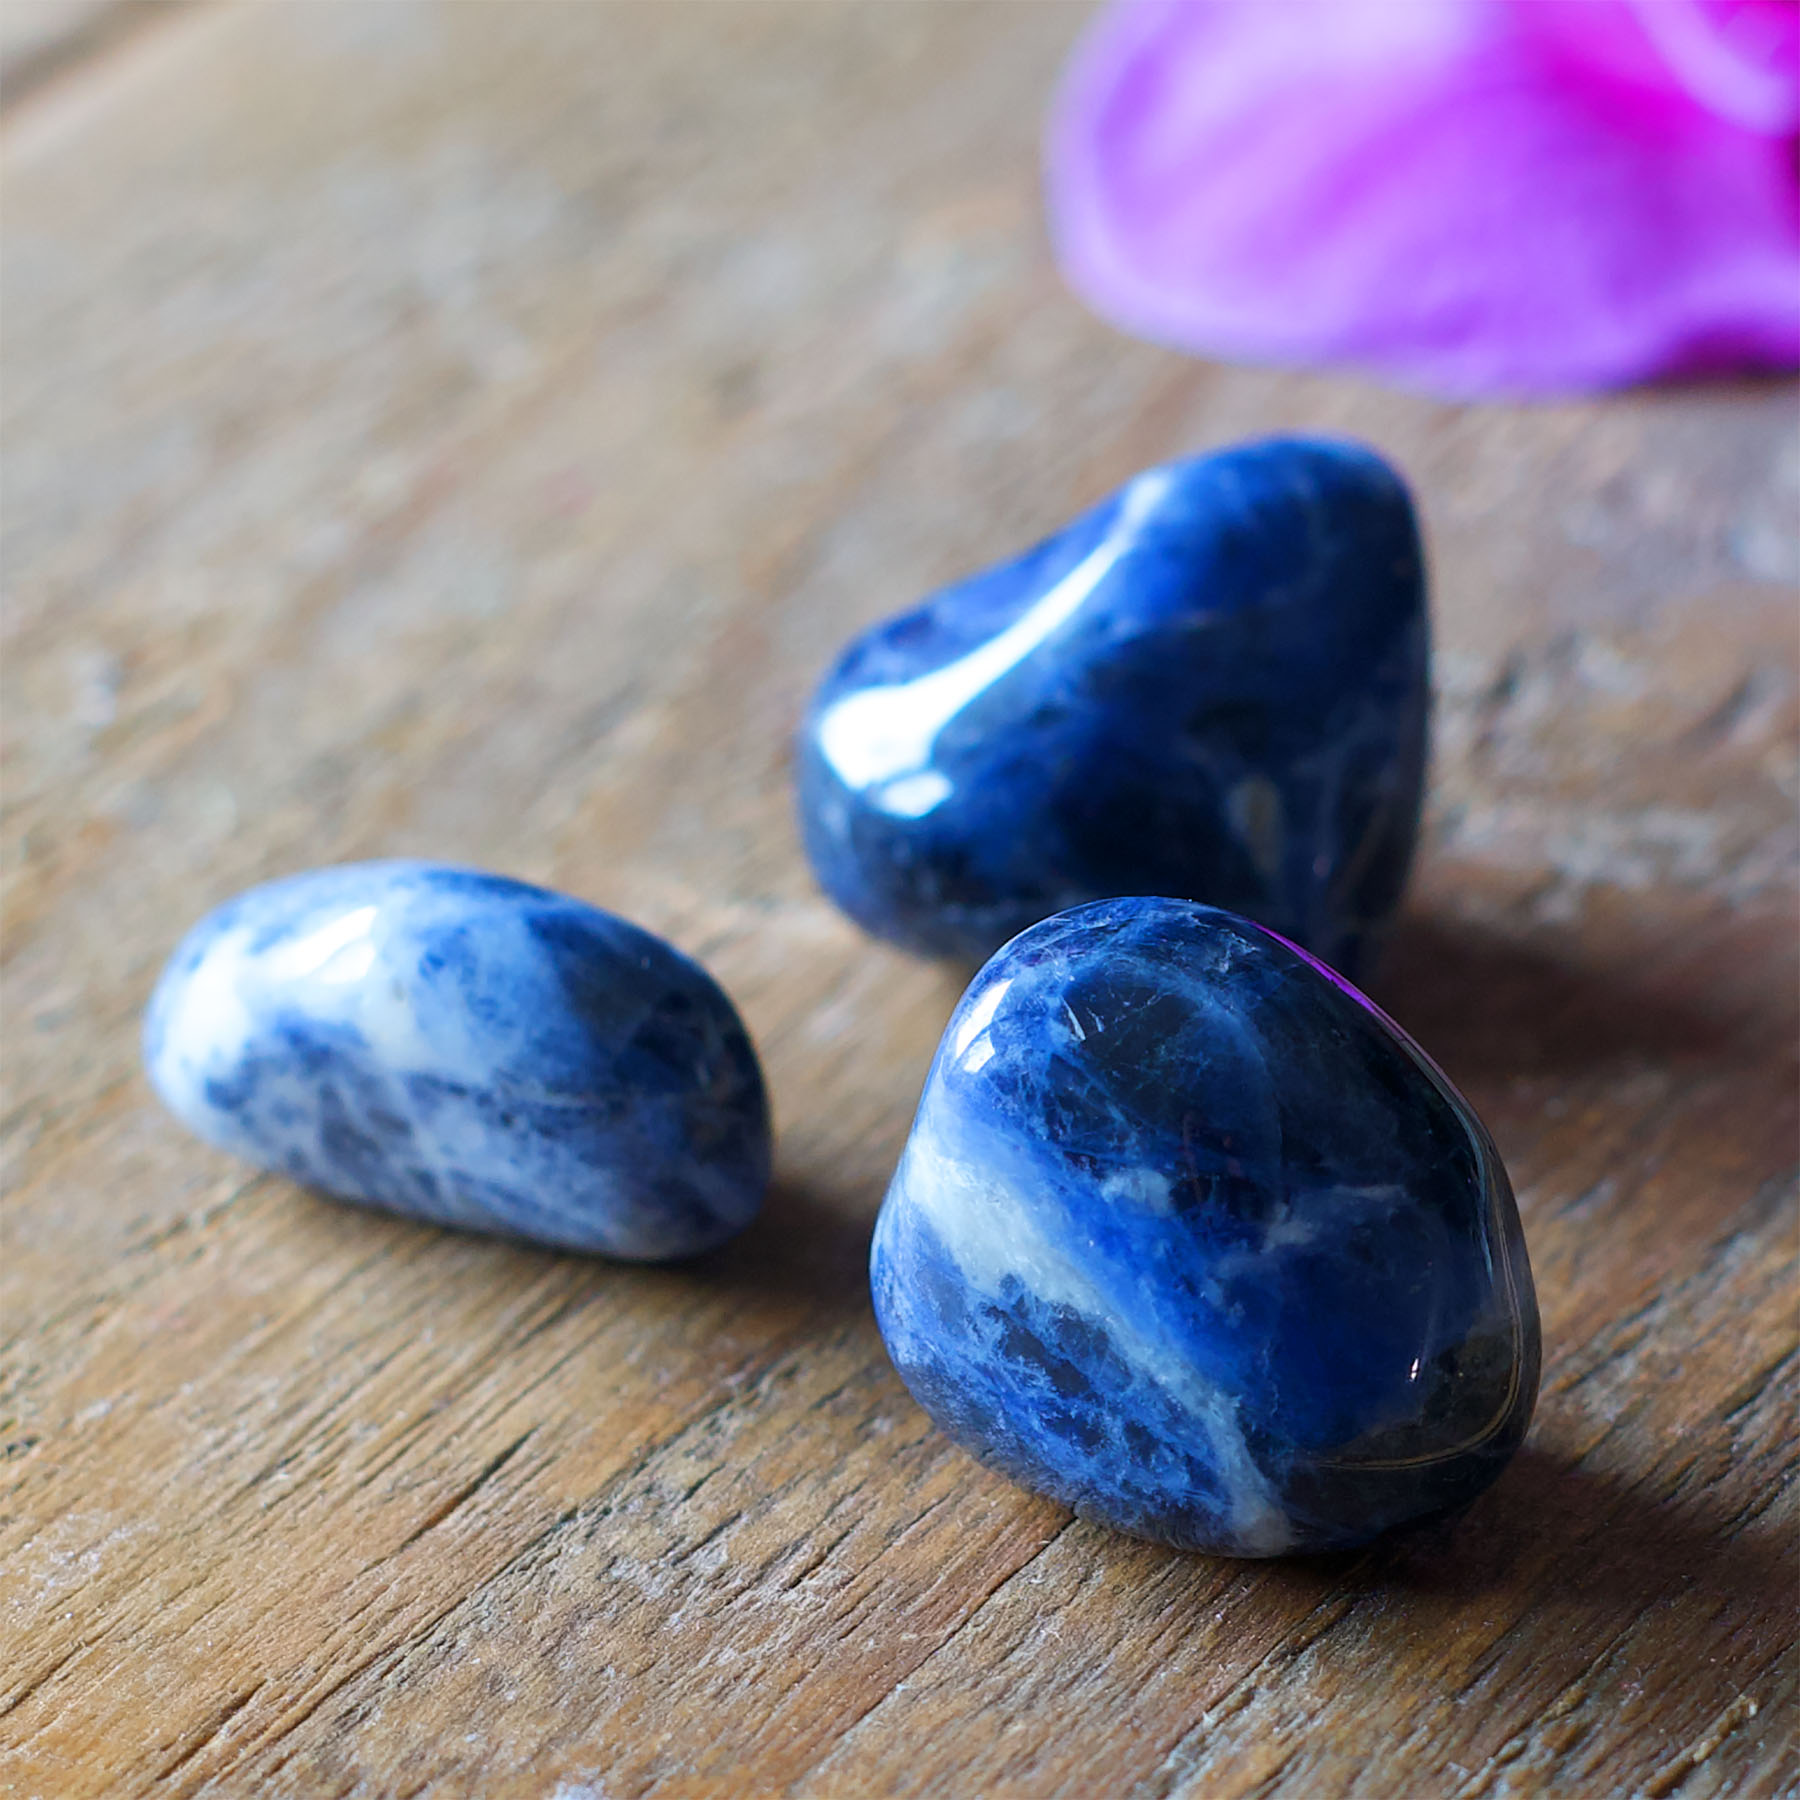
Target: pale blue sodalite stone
468 1050
1191 1237
1214 684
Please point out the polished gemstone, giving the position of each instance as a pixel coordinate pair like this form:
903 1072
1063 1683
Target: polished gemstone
1213 685
1193 1238
469 1050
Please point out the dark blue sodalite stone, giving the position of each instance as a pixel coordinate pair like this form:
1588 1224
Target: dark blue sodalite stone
468 1050
1191 1237
1213 685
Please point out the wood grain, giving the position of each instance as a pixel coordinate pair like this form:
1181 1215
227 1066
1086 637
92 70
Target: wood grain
466 430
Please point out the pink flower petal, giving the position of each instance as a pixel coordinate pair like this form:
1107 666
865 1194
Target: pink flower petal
1422 188
1737 58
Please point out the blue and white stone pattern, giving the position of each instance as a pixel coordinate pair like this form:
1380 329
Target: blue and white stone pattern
467 1050
1214 685
1189 1236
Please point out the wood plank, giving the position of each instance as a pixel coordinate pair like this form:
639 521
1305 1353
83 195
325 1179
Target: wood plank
465 431
41 40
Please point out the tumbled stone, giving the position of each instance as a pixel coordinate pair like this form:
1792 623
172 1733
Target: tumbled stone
1191 1237
468 1050
1214 685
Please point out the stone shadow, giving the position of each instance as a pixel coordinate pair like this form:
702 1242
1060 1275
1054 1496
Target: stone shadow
1551 1521
1492 1007
809 1242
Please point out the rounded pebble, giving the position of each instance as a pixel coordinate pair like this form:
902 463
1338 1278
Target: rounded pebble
468 1050
1213 685
1191 1237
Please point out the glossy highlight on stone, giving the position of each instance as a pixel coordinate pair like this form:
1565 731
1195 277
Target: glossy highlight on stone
1214 685
467 1050
1191 1237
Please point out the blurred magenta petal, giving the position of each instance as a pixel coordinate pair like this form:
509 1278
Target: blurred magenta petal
1466 195
1737 58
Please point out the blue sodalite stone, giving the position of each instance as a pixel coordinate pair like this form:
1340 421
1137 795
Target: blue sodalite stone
1191 1237
467 1050
1213 685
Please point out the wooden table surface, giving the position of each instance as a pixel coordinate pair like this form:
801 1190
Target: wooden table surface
465 431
